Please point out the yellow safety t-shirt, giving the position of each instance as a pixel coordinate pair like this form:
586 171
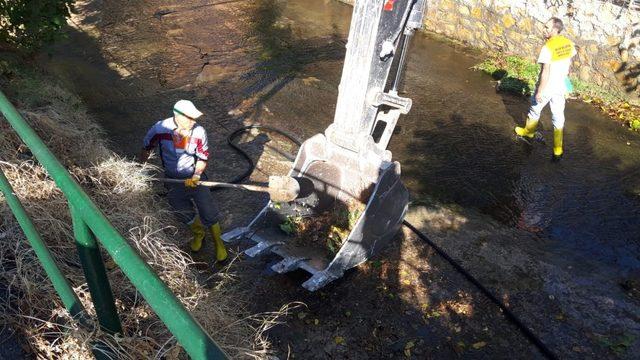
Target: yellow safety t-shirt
557 53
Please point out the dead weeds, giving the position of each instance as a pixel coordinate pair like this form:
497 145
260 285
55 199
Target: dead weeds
122 190
328 230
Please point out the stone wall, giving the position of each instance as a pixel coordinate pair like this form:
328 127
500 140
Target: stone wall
607 35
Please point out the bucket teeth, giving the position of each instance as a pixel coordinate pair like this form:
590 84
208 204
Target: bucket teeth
317 281
235 234
287 265
262 247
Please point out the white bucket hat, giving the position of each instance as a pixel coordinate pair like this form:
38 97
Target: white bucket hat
186 108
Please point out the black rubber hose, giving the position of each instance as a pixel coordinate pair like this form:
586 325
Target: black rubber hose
511 316
244 154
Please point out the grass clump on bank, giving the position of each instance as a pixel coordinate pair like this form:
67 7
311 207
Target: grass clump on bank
122 190
514 74
518 76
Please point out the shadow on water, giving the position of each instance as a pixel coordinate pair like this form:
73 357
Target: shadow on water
579 215
283 54
445 147
585 202
457 147
517 107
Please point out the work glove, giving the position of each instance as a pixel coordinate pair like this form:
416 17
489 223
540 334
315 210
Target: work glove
193 182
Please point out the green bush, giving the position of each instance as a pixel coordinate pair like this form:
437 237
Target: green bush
28 24
588 91
515 75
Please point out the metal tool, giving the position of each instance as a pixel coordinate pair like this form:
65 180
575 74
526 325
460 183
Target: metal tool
279 188
349 162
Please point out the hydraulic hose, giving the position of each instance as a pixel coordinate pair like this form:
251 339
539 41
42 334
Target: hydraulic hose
241 152
533 338
510 315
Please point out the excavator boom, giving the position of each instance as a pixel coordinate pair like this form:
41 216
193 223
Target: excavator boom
348 167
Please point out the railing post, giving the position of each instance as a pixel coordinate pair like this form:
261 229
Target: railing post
95 274
89 220
60 283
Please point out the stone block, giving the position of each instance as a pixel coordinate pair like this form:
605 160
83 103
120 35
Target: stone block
515 37
476 13
613 40
497 30
525 25
611 65
450 30
447 4
508 21
585 73
485 37
606 15
624 55
465 35
451 18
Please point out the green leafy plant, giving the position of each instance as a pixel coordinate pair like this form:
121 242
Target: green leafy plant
591 91
28 24
515 75
290 226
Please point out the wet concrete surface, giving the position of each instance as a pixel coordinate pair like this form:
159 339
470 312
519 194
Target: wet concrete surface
557 241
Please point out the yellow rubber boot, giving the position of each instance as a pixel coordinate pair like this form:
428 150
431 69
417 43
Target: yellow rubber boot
198 234
529 130
221 251
557 143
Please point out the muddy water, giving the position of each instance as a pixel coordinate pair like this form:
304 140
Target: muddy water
579 217
457 146
460 142
279 63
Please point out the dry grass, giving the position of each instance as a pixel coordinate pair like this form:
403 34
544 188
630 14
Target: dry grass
122 190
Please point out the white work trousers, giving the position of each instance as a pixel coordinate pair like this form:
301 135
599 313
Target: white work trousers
556 103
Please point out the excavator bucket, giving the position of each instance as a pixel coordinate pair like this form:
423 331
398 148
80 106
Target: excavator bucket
347 175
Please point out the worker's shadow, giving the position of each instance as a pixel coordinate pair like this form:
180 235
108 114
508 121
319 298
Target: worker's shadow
516 106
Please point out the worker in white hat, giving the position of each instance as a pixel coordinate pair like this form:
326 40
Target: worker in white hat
184 151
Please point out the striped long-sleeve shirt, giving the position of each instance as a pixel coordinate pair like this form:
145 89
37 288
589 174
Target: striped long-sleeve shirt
178 153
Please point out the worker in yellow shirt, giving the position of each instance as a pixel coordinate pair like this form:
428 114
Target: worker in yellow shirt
552 87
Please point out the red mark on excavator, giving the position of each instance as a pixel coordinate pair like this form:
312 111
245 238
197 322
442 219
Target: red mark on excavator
388 6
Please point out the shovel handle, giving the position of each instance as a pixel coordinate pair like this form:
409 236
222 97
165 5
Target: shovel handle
220 184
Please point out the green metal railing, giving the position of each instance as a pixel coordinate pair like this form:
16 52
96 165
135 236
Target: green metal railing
90 226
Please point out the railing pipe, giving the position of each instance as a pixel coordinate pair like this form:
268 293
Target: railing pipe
196 342
59 281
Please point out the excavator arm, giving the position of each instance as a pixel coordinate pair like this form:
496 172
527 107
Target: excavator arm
368 97
350 162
